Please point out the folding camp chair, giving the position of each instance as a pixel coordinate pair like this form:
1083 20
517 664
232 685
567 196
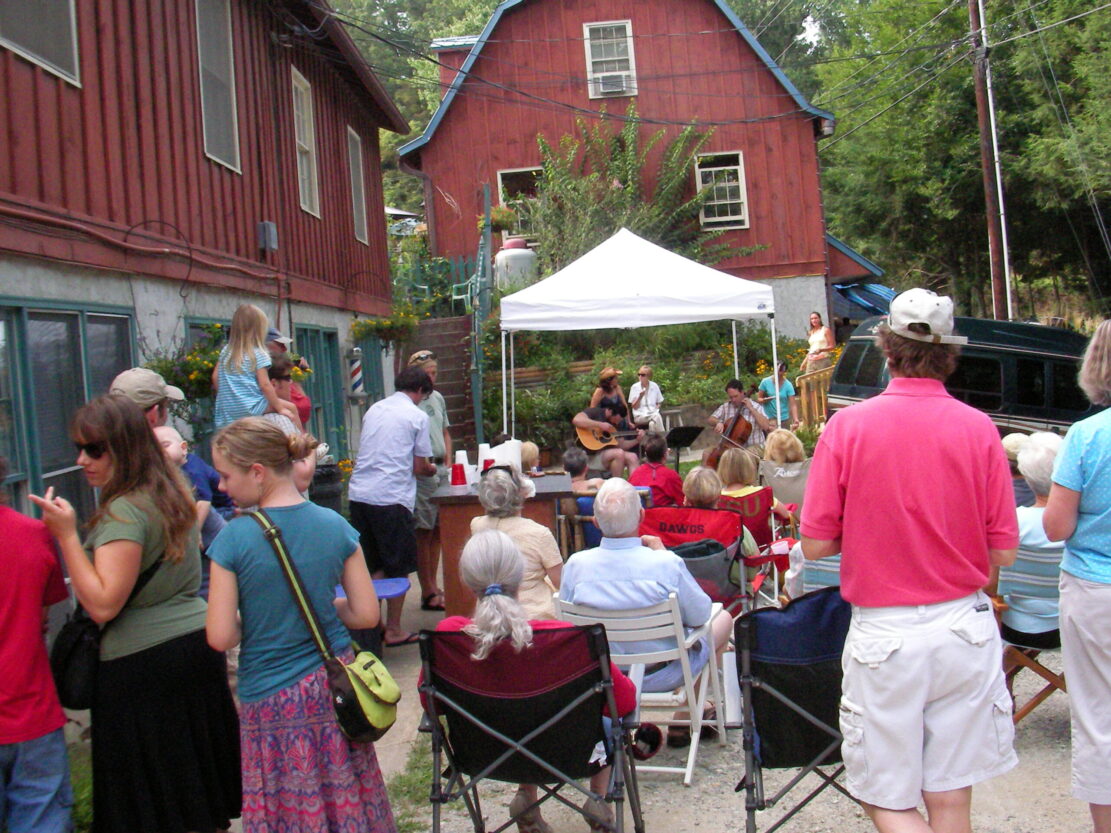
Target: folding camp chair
789 671
1032 582
528 717
661 621
692 535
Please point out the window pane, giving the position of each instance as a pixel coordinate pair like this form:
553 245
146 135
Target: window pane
845 374
1031 383
108 350
358 191
1066 391
217 67
9 448
978 381
44 30
872 367
54 350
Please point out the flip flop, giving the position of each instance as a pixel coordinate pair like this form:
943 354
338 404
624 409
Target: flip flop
409 640
424 603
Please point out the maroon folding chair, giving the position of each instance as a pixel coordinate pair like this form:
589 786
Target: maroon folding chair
528 717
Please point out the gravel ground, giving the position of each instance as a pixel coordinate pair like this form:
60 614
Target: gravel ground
1032 798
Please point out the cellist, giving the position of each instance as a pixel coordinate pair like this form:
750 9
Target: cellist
739 406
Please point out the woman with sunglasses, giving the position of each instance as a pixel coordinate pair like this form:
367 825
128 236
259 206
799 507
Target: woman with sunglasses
165 736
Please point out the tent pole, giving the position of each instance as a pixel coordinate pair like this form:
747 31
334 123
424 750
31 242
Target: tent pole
504 398
775 372
736 361
512 388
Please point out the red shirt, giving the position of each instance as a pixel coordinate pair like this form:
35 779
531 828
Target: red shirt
917 487
302 403
624 692
667 486
30 579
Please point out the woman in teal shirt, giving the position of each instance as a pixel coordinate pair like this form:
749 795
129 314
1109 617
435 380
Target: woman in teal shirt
1079 513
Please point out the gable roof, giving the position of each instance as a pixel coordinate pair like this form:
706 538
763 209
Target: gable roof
364 78
855 257
491 24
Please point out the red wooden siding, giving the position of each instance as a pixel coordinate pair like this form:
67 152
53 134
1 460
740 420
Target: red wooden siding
123 156
689 66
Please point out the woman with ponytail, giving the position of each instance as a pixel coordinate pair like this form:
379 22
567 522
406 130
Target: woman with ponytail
299 771
164 732
492 567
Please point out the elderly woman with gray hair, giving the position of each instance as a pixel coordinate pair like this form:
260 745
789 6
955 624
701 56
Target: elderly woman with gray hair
502 494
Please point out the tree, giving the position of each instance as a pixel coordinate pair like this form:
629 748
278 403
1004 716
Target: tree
593 184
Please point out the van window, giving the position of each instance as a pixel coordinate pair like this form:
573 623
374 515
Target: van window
1066 391
1031 382
872 367
845 374
978 381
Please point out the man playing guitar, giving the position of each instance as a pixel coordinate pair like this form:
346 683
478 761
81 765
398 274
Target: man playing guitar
608 426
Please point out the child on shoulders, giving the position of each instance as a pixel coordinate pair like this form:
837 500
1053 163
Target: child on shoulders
242 384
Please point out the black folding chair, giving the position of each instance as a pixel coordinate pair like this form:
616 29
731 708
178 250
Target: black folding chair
533 717
789 669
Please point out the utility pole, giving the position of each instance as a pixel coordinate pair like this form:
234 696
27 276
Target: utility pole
989 165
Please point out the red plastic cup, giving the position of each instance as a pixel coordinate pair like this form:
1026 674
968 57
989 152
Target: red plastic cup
458 475
487 463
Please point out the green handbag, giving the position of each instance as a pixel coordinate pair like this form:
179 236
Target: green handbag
363 693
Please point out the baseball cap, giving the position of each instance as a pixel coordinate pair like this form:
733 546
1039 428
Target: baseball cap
274 334
144 387
923 306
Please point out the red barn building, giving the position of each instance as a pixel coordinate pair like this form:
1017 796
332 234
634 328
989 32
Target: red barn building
540 64
162 162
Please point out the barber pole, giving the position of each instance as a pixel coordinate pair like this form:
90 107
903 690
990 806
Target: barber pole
355 372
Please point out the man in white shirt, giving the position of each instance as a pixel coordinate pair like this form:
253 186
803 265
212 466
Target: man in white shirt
645 399
394 449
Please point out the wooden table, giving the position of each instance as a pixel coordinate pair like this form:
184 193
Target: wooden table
458 504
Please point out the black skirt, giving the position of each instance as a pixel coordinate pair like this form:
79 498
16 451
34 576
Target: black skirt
165 740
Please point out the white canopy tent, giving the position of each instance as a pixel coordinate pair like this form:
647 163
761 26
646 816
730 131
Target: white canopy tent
629 282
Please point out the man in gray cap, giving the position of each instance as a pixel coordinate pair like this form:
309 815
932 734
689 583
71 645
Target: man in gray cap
149 391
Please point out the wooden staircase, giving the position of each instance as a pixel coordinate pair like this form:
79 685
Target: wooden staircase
449 339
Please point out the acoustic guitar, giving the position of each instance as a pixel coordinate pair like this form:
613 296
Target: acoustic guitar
594 440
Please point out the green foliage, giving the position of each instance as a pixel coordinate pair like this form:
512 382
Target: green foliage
81 780
592 185
191 370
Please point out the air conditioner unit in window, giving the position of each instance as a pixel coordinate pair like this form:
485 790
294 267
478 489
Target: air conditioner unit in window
613 83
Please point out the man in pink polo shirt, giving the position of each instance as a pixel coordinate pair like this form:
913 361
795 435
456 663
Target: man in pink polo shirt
913 489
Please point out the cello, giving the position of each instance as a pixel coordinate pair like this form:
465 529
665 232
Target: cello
735 435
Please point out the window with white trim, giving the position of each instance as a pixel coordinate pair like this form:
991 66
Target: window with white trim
358 184
304 134
216 64
44 32
515 187
610 64
724 175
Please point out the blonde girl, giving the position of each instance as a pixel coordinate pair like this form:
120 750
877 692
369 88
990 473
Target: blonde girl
240 379
299 771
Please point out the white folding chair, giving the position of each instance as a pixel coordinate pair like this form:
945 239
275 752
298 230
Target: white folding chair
660 621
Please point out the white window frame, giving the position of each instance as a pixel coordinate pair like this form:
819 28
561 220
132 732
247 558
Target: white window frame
358 184
227 163
593 79
305 145
39 60
734 221
508 203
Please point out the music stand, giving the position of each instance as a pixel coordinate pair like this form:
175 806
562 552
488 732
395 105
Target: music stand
680 437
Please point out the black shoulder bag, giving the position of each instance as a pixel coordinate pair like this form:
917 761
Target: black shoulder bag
76 650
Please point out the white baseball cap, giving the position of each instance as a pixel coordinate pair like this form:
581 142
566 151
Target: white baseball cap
923 306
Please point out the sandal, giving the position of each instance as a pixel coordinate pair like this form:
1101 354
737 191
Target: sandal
600 810
528 821
426 602
680 736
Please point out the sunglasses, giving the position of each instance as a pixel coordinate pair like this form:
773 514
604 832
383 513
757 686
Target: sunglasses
283 378
642 374
92 450
423 356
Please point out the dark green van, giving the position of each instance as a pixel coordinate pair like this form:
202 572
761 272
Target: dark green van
1021 375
